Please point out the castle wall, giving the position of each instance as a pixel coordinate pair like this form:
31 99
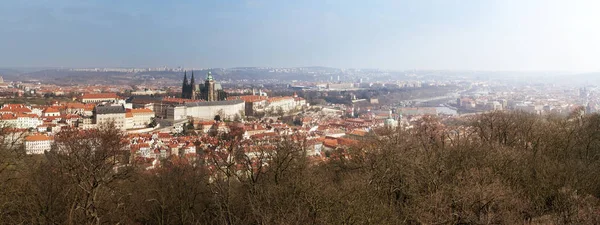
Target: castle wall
206 111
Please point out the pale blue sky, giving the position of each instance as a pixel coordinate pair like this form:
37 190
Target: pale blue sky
394 34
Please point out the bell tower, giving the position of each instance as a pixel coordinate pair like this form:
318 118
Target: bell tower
185 86
210 88
193 91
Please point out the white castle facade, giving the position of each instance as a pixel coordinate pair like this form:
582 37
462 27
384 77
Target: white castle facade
206 110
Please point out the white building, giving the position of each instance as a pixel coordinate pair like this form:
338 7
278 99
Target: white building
50 112
8 120
139 118
99 97
28 121
284 103
148 92
38 144
104 114
206 110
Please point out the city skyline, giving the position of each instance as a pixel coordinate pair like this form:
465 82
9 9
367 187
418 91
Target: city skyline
395 35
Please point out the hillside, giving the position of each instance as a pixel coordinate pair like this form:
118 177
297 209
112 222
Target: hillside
495 168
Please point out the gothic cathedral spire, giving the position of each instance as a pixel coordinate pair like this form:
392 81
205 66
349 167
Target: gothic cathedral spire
193 82
185 86
185 80
193 87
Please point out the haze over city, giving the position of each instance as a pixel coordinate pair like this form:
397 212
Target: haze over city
529 35
299 112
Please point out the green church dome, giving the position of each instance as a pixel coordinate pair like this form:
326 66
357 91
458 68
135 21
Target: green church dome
209 76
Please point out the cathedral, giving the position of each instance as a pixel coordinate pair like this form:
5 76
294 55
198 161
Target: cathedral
210 91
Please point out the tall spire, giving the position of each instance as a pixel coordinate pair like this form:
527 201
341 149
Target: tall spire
193 87
185 80
185 86
193 82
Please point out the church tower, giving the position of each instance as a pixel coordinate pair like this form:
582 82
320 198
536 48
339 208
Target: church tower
209 84
185 86
193 91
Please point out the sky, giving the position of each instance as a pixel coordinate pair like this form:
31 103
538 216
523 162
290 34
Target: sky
515 35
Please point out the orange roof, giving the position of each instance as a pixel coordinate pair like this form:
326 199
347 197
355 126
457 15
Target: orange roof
75 105
27 115
16 108
347 142
359 132
99 95
51 110
10 106
330 142
89 107
164 135
276 99
128 115
263 135
8 116
71 116
204 123
334 142
38 137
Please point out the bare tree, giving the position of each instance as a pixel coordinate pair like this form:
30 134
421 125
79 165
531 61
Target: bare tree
94 162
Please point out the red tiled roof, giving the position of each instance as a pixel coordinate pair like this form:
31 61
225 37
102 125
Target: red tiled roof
38 137
330 142
14 109
75 105
8 116
358 132
347 142
164 135
204 122
276 99
89 107
51 110
334 142
71 116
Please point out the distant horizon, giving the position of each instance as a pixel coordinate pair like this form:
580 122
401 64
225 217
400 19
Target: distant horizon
294 67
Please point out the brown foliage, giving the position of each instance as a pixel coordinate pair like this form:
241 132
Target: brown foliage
500 168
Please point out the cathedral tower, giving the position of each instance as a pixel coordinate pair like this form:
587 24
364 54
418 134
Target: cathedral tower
209 91
185 86
193 91
210 88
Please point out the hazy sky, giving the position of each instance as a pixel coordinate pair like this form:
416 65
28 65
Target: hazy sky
394 34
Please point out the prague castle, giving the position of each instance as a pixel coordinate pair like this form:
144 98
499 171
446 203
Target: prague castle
210 91
212 101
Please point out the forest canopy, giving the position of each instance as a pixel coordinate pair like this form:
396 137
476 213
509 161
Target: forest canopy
493 168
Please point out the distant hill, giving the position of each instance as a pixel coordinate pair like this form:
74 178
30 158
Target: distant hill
577 79
9 74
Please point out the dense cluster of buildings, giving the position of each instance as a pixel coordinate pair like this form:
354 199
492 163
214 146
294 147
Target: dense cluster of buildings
185 121
537 99
199 104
